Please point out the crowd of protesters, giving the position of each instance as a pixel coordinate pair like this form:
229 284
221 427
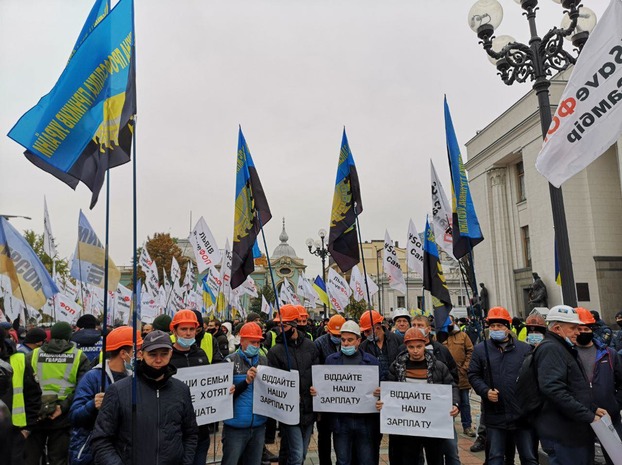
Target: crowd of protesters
55 410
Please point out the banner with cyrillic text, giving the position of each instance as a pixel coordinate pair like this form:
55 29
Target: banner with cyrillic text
276 394
209 388
345 388
416 409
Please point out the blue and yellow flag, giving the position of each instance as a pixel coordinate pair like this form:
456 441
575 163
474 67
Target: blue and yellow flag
347 205
30 281
100 10
320 288
251 214
434 279
85 125
465 226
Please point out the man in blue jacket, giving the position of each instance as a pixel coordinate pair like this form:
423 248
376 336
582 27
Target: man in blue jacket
243 435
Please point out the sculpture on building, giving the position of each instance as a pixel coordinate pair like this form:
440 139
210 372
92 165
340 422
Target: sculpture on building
483 298
538 296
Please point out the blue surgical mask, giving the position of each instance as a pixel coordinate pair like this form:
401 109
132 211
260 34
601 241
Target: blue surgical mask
335 340
498 335
534 338
397 331
129 366
185 343
568 341
348 351
251 350
371 337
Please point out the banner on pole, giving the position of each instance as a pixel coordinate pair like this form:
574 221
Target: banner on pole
276 394
204 245
209 388
345 388
416 409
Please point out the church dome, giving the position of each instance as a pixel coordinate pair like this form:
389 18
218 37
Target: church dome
283 249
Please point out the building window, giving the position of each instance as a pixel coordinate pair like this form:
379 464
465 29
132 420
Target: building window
520 181
401 301
420 303
526 246
462 301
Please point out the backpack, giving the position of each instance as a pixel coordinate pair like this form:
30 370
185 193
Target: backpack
528 394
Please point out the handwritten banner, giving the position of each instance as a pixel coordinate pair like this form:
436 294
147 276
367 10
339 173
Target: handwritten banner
276 394
416 409
345 388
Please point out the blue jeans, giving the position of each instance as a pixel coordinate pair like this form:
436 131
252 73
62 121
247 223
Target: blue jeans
354 432
294 443
562 455
242 443
450 450
524 439
465 408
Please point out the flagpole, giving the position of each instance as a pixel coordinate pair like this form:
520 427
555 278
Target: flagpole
407 287
369 305
105 317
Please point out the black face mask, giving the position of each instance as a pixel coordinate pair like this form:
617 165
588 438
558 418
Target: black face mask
619 323
584 339
150 372
289 333
302 328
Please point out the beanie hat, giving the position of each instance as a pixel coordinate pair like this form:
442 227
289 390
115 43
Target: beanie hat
87 321
162 323
61 330
199 317
35 335
252 316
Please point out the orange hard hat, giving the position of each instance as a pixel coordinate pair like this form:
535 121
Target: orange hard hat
535 319
415 334
585 316
287 314
251 331
302 311
121 337
499 313
365 323
334 324
184 317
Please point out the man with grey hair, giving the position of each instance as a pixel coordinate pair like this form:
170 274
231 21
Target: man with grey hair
563 422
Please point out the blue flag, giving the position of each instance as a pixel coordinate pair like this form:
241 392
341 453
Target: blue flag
465 226
434 279
85 124
30 281
99 11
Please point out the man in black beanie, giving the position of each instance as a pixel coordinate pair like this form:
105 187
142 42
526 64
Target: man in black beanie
87 337
34 338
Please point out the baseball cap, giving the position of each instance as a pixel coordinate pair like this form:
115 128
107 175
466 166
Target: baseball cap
157 340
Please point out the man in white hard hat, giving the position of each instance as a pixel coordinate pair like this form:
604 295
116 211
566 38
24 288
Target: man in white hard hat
401 321
563 422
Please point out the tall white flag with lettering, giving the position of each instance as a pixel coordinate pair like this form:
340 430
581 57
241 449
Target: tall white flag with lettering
391 265
357 284
204 245
48 238
588 119
414 250
441 215
175 272
265 307
338 291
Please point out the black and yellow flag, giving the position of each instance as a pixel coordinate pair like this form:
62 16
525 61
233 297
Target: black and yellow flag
434 279
347 205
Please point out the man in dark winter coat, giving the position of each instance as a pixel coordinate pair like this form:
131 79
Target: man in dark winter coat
300 355
166 421
88 337
492 373
214 327
563 422
379 341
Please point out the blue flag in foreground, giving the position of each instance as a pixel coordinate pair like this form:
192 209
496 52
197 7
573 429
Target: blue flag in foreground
465 226
434 279
85 124
30 281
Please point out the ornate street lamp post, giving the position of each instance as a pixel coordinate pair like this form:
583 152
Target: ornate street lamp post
319 249
517 62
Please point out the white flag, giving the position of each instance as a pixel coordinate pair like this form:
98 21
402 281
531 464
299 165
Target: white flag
414 250
357 284
175 272
66 309
392 266
305 289
588 119
338 291
265 307
204 245
48 238
150 269
225 271
189 278
290 292
441 215
247 287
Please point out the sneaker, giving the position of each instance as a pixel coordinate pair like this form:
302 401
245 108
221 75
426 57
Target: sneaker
268 456
478 446
469 432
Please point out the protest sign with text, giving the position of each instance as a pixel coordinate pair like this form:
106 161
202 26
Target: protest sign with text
209 387
276 394
416 409
345 388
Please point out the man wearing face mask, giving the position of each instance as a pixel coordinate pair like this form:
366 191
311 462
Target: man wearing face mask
379 341
492 373
186 353
303 321
617 338
563 422
536 329
89 394
603 368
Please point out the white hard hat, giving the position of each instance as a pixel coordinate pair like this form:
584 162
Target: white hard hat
351 326
563 314
401 312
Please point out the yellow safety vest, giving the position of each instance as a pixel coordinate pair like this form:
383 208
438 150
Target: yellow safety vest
57 373
207 344
18 412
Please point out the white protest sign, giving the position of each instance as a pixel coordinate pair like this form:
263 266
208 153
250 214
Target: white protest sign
276 394
416 409
345 388
209 387
609 439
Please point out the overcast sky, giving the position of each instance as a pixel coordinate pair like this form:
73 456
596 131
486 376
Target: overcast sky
292 73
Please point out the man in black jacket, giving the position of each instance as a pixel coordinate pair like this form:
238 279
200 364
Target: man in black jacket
167 427
300 354
563 422
214 327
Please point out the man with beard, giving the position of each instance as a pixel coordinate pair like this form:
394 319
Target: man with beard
214 327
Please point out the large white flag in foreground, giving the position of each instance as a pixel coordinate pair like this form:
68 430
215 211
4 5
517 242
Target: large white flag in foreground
588 119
